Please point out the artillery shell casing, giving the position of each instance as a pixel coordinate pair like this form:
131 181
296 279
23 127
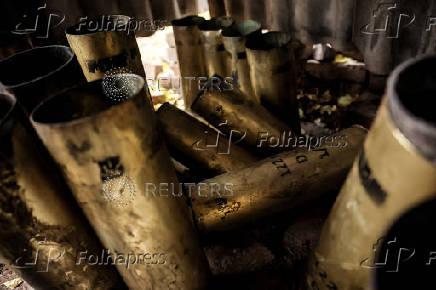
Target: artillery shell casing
273 75
234 38
215 56
233 112
278 183
198 146
109 154
411 239
36 74
190 55
42 230
395 171
105 46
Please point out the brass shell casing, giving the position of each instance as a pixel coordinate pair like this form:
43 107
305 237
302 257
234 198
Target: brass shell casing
275 184
109 154
198 146
108 48
231 110
395 172
217 59
43 231
190 55
273 75
234 38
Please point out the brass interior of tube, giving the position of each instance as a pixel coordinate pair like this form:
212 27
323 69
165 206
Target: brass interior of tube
86 100
34 64
416 89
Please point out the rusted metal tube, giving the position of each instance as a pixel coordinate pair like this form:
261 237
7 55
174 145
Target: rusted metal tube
42 230
190 55
273 75
105 46
235 114
109 155
198 146
395 171
36 74
234 38
216 58
276 184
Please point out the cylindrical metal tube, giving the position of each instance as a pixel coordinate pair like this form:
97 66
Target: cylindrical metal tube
42 230
198 146
234 38
216 8
233 113
36 74
216 58
395 171
275 184
111 156
105 46
405 254
190 55
273 75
